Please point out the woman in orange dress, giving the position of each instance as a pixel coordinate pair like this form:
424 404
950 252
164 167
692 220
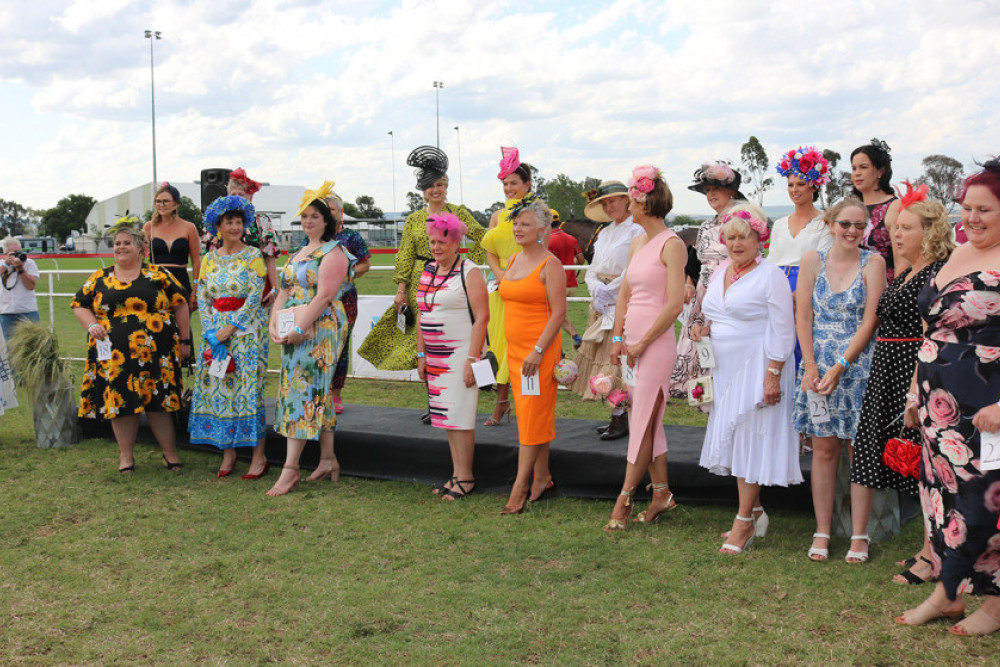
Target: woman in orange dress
534 293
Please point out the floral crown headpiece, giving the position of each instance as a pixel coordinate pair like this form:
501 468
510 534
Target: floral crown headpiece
756 224
310 196
520 206
807 163
249 185
642 182
912 194
510 160
218 208
126 221
446 225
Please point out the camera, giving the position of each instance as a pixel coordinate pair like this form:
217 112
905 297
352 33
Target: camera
22 256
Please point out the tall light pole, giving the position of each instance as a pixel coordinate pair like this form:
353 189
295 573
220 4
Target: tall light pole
461 190
438 85
152 36
392 153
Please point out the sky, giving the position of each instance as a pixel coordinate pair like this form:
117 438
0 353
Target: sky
301 91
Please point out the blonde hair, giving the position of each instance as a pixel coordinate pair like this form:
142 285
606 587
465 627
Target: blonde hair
831 214
137 234
740 225
937 244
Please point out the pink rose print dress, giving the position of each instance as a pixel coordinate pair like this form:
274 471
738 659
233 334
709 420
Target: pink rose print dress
958 372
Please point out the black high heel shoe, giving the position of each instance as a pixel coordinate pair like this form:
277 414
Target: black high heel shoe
172 467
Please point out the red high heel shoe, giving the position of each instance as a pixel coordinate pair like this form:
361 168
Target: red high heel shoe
248 476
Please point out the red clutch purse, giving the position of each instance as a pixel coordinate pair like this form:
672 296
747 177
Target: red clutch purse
903 456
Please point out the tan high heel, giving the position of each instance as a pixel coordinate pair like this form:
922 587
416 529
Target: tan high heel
333 474
276 491
495 421
656 510
517 509
614 524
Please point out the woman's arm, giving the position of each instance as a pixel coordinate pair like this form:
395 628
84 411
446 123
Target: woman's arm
874 277
554 278
674 257
479 301
87 320
279 305
194 245
808 270
332 271
183 317
421 349
405 258
494 263
240 319
621 304
362 267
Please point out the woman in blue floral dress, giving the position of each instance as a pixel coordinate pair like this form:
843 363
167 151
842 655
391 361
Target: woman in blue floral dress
310 289
835 302
228 412
958 385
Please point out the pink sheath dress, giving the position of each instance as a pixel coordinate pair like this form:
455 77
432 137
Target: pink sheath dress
647 280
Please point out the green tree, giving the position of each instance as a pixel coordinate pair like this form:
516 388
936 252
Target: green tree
755 161
352 210
943 176
14 219
834 189
684 221
482 218
493 208
367 208
566 195
414 202
70 213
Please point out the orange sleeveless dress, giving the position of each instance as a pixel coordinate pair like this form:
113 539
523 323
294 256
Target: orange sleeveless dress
526 312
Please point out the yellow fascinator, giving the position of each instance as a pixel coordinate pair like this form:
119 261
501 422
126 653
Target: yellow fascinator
310 196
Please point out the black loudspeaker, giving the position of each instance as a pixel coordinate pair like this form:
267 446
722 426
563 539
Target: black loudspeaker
213 185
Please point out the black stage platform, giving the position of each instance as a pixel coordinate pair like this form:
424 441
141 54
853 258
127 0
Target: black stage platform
393 444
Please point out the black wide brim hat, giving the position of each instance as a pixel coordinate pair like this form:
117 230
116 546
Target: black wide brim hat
430 163
703 178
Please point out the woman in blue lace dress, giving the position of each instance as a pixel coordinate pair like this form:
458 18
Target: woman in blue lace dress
836 300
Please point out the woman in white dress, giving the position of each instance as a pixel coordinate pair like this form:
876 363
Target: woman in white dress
794 235
749 320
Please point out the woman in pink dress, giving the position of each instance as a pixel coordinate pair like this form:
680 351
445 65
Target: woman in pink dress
649 301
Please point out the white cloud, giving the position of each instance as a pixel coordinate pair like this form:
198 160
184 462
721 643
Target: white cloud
301 91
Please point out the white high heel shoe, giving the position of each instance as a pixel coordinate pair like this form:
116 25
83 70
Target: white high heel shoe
760 528
734 549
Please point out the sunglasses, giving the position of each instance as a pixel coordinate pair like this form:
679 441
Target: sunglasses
845 224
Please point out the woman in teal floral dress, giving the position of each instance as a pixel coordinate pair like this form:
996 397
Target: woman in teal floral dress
228 412
310 289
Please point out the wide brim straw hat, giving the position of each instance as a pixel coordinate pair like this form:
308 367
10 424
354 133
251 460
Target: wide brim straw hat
593 210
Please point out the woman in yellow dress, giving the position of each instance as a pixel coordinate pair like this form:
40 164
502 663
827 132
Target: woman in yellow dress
500 246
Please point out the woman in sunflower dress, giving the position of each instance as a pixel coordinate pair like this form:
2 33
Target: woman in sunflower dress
143 311
310 288
228 412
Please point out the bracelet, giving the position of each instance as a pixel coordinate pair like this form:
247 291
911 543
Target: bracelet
774 371
910 397
299 330
473 359
420 355
185 341
92 325
616 339
539 350
843 362
809 363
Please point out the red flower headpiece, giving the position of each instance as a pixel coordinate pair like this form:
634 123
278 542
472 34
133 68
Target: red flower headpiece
913 194
240 176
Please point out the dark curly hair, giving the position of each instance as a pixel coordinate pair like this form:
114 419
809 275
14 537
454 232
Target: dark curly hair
878 152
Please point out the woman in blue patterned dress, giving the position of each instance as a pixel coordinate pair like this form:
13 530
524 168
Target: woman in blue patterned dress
310 285
228 412
835 302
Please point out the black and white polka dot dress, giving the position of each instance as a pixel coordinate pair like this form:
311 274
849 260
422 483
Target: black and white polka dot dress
900 334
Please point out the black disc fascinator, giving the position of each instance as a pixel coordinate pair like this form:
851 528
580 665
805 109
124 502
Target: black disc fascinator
429 164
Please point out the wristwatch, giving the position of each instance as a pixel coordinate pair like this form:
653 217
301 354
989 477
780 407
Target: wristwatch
774 371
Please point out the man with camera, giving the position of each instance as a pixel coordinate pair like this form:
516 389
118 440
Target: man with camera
17 298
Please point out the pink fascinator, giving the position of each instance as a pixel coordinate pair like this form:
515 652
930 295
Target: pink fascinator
642 182
912 195
756 224
509 162
446 227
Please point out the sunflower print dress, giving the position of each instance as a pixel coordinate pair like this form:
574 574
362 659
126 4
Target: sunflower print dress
144 372
305 402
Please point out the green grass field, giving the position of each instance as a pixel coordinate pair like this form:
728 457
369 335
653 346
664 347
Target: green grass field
164 569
